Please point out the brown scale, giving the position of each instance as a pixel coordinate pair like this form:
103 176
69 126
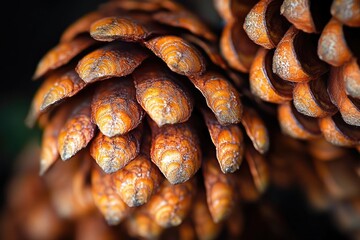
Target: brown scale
210 49
220 189
296 124
264 25
141 225
258 168
264 83
236 47
82 25
113 153
176 151
332 46
233 9
122 28
351 75
106 199
256 130
139 179
179 55
161 94
339 133
186 20
65 84
221 97
113 60
349 108
59 85
205 227
312 99
245 184
347 11
114 108
306 15
77 131
228 141
69 191
49 151
62 54
295 58
172 203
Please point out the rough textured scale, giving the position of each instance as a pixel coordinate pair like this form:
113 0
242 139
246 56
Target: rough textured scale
298 13
179 55
172 203
137 181
77 132
114 107
312 99
162 95
351 71
264 83
176 151
295 57
337 132
332 46
347 11
228 141
113 60
264 25
112 154
221 97
121 28
64 84
62 54
295 124
349 109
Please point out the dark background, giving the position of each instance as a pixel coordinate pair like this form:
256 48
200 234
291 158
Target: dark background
29 30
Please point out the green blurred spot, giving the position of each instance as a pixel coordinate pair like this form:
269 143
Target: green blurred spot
13 132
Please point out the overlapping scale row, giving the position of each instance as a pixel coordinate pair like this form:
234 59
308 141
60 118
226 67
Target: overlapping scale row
305 59
64 202
139 89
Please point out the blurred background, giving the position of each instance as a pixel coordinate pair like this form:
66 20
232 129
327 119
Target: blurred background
34 27
31 29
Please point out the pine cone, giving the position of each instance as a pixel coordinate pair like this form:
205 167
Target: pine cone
302 55
119 88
